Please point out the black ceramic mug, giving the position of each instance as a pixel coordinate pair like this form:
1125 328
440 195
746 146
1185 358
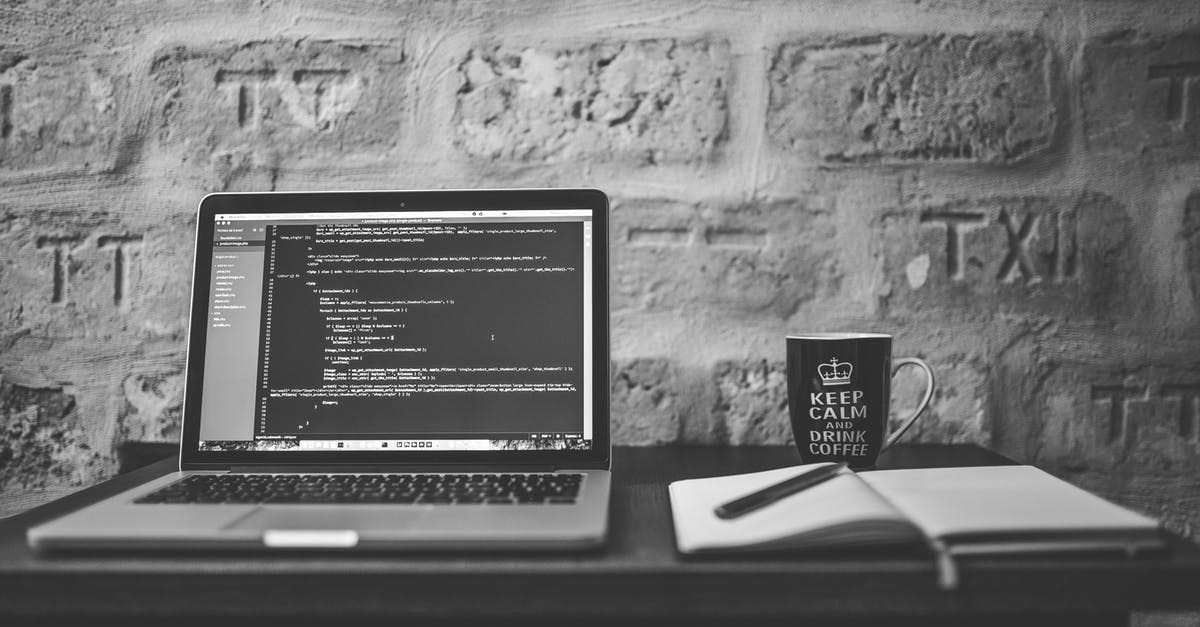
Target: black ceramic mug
839 390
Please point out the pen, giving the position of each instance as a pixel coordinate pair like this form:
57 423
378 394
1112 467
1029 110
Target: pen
778 491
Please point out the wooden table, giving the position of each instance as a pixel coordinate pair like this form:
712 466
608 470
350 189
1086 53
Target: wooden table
638 578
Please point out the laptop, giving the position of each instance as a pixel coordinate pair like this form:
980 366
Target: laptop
421 370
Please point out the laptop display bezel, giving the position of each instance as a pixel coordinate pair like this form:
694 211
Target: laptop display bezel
193 458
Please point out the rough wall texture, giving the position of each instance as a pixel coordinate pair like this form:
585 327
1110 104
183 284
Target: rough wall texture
1013 189
920 98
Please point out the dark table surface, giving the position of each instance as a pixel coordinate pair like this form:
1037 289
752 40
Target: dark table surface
637 577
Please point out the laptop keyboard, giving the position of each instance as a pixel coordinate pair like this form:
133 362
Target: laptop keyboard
442 489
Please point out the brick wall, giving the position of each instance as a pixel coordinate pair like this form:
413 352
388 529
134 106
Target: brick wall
1013 189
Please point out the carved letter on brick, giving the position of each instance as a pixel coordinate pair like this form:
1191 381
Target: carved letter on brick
1179 77
247 87
1064 258
314 98
957 224
749 239
1188 398
1017 258
61 248
323 93
1140 91
1191 238
124 247
242 114
1117 396
767 257
5 111
1035 242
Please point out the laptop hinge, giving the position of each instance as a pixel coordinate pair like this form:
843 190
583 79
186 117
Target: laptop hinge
430 468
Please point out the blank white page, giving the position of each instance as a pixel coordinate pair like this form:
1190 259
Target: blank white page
841 501
999 499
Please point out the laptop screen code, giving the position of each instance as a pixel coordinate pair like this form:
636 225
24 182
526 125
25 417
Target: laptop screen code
437 330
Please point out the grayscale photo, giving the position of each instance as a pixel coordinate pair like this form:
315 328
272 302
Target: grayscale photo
596 312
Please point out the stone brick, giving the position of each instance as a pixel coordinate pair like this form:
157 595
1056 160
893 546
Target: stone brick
752 401
649 102
646 405
153 407
1114 411
1139 414
982 98
747 260
1064 255
77 272
56 115
41 444
246 111
1140 92
1127 431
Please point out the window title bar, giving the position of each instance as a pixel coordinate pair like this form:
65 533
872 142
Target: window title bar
404 215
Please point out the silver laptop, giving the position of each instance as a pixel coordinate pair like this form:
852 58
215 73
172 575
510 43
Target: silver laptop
385 370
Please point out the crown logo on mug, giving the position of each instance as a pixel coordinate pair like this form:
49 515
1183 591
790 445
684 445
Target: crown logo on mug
834 373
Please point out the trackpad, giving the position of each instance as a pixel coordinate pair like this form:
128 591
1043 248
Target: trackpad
357 518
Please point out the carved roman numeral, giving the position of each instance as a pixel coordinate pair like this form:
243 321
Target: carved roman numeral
957 225
65 249
1179 77
320 86
61 249
1117 396
123 247
1188 399
6 105
1022 259
1018 259
248 85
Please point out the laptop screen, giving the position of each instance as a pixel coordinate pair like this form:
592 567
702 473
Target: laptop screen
419 330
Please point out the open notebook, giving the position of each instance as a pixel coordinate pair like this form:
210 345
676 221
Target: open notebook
958 511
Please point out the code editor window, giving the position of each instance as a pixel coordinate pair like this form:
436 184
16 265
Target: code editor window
422 330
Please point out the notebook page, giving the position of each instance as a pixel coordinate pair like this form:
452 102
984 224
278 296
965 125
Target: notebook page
999 499
841 500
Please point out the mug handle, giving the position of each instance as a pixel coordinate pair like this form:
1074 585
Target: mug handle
920 363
